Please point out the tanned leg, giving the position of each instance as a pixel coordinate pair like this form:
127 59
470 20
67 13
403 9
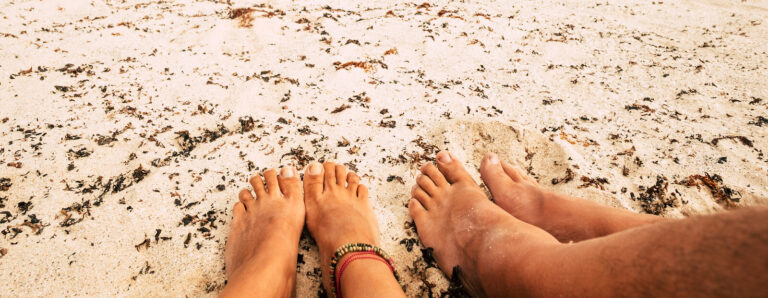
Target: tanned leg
499 255
338 213
565 217
263 241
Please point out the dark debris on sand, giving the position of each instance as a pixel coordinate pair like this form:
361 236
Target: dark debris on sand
81 209
742 139
5 184
655 199
723 195
300 155
565 179
456 287
596 182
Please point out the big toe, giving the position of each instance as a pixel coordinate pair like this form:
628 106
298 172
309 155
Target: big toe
493 174
451 168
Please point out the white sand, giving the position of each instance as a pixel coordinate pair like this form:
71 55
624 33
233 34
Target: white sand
553 78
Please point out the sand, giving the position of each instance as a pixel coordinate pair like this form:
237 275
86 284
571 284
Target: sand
127 128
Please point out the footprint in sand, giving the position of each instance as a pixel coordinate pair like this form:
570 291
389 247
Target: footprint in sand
528 150
553 164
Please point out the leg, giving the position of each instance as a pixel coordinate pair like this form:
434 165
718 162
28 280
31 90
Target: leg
263 241
338 212
498 254
565 217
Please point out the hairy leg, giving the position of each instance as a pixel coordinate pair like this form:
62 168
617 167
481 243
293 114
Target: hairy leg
565 217
498 255
717 255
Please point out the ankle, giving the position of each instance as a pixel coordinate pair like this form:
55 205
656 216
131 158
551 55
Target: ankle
518 258
275 272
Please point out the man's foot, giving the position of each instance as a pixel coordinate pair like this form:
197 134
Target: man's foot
262 245
566 218
466 230
338 211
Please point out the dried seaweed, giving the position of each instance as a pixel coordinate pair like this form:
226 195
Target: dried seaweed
567 178
635 106
244 14
744 140
456 287
596 182
759 121
144 244
83 209
723 195
364 65
301 156
655 199
5 184
340 108
246 124
79 153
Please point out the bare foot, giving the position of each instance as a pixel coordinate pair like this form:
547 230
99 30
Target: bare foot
466 230
338 213
566 218
262 245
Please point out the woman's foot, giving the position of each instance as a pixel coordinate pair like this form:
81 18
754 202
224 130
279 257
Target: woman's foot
262 245
338 211
469 234
566 218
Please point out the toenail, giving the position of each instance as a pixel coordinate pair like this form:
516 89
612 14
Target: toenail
286 172
444 157
493 159
315 168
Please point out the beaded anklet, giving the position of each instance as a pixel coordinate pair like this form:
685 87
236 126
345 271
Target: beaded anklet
362 255
352 248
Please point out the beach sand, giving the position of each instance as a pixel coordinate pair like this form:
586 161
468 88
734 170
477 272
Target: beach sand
127 128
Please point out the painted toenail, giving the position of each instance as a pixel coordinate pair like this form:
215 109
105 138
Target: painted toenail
315 168
286 172
444 157
493 159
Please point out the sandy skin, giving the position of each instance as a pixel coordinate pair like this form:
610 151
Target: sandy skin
629 255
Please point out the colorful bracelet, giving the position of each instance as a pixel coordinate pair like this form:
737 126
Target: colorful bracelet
368 255
352 248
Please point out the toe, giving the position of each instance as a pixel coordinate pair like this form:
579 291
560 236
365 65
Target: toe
494 176
451 168
352 181
313 180
341 175
330 174
239 210
511 172
492 173
270 176
246 198
426 184
362 192
416 210
422 196
258 186
289 182
434 174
